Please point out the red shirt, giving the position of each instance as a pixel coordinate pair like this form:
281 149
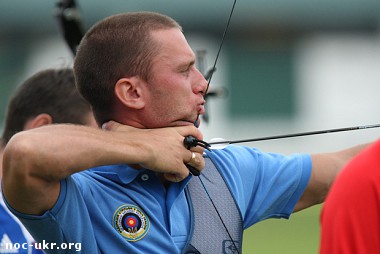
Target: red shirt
350 219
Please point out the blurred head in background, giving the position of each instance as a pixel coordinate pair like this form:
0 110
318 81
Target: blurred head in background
49 96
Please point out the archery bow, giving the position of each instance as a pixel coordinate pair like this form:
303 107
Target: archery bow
189 140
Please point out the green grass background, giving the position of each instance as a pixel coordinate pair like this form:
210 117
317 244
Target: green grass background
298 235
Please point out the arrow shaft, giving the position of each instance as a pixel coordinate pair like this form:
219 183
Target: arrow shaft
362 127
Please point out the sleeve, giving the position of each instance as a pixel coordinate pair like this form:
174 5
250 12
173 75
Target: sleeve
265 185
55 228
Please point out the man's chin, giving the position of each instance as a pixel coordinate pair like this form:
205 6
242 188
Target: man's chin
182 123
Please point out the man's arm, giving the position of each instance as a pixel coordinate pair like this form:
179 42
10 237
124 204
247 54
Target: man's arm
36 160
325 167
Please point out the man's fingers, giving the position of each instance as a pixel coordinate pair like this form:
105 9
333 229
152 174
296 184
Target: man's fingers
193 170
193 158
180 175
174 178
196 163
190 131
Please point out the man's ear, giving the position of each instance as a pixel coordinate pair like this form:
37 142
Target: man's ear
38 121
129 92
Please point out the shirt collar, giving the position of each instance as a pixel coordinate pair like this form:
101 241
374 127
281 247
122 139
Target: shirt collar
125 174
121 173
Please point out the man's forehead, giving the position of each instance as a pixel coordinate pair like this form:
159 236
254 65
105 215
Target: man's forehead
172 43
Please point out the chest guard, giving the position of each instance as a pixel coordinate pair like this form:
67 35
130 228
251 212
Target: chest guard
208 234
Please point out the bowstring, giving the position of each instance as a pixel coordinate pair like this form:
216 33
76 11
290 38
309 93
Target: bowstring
208 85
220 46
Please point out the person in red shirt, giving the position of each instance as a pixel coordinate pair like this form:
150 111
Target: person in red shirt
350 218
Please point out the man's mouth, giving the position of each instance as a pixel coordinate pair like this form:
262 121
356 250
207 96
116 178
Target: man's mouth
201 108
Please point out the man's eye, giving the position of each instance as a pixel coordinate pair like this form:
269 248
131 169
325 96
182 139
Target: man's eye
186 71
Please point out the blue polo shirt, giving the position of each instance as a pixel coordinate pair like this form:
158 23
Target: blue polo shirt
118 209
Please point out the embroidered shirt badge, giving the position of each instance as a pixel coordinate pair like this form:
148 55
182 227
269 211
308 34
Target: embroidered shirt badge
131 222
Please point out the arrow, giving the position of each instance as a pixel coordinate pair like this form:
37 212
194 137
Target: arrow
228 142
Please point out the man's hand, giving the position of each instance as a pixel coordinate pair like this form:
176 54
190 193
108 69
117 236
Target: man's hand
162 150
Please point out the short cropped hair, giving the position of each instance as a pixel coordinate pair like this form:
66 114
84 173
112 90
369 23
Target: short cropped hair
50 91
118 46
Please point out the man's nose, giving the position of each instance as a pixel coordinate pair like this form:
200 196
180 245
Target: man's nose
201 83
